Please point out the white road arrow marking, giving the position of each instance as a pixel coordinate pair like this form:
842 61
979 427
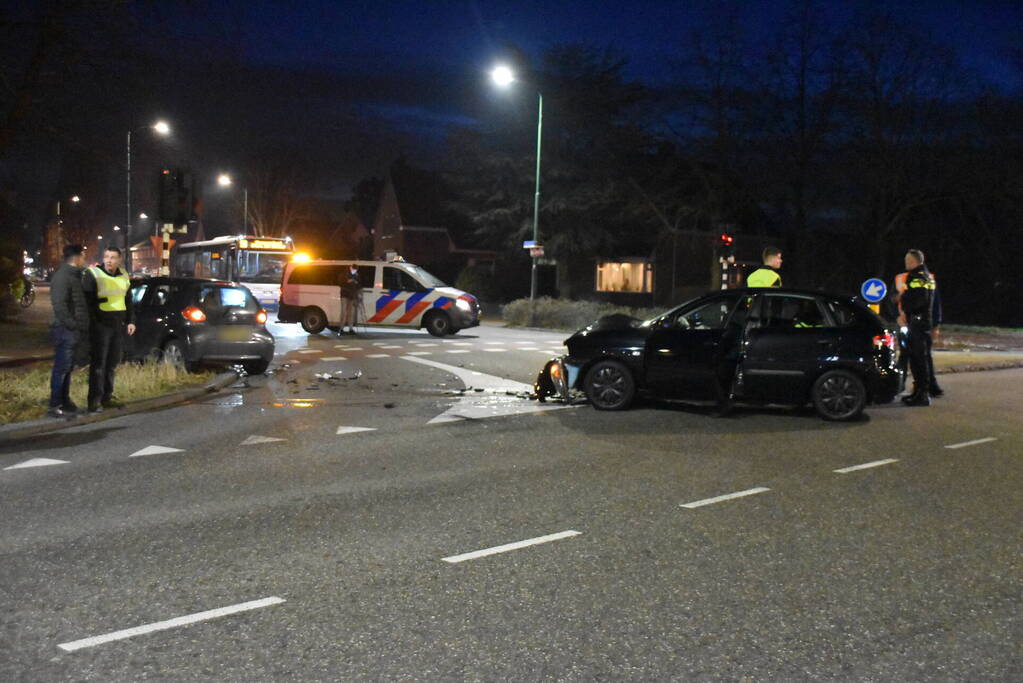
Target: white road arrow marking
256 438
155 450
36 462
354 430
493 401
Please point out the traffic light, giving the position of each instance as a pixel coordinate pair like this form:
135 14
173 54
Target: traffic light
725 240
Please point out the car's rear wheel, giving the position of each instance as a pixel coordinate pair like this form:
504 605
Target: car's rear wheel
609 385
839 395
174 354
437 323
256 367
313 320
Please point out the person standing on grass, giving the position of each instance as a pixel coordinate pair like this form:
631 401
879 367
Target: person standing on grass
69 331
106 290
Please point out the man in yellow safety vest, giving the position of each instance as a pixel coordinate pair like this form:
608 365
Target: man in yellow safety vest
767 275
106 291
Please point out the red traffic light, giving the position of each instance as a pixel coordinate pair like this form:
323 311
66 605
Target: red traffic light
725 240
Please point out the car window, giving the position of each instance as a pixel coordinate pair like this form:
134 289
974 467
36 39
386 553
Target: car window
711 315
791 311
316 275
160 294
396 278
213 299
138 293
842 315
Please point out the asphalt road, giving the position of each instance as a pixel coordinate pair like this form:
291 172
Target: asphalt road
338 520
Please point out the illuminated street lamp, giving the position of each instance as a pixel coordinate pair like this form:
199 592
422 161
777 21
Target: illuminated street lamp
161 128
225 180
504 77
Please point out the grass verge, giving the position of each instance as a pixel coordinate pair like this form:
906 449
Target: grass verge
25 392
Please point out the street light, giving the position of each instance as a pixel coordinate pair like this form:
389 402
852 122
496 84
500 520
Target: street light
225 180
503 77
161 128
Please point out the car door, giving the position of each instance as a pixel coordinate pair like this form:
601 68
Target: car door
682 354
151 318
789 336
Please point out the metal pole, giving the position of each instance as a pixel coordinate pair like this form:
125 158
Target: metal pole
245 214
536 197
127 194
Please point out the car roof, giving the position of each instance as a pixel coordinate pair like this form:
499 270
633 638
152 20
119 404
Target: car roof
163 279
785 290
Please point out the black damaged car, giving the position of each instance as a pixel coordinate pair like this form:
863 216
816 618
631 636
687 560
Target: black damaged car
762 346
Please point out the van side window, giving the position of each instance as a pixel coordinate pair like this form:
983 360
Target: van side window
316 275
396 278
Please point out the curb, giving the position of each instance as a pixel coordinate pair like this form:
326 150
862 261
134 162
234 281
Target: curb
979 367
21 430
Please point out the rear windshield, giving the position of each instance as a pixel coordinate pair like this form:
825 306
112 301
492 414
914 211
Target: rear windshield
218 298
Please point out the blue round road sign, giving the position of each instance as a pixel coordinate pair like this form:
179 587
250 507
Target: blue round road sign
873 290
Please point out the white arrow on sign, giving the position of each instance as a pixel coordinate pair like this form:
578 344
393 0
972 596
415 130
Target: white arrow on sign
874 291
36 462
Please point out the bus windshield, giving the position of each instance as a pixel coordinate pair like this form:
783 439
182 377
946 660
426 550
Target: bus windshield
261 266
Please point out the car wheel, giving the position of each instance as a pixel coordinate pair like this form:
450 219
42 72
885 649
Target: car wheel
437 323
839 395
609 386
256 367
174 354
313 320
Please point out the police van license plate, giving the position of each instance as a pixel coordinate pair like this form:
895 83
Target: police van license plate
233 333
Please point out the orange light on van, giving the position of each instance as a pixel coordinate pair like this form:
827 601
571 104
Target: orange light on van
300 257
194 314
261 317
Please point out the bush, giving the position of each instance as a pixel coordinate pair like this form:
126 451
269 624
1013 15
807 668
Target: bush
476 281
562 314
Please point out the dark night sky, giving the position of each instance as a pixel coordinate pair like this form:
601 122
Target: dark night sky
426 49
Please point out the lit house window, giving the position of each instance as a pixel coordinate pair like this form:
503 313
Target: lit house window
634 275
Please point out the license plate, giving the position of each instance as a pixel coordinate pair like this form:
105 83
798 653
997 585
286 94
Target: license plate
233 333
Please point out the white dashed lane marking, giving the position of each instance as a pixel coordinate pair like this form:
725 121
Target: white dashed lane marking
170 623
975 442
727 496
36 462
333 358
511 546
865 466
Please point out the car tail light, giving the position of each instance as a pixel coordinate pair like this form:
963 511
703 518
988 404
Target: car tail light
885 340
194 314
261 317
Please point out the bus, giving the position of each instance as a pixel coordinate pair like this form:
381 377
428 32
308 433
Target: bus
256 262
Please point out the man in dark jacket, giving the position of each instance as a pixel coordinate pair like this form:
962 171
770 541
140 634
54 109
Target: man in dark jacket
917 315
111 315
70 329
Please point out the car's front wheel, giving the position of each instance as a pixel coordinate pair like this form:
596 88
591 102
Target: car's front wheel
839 395
609 385
437 323
313 320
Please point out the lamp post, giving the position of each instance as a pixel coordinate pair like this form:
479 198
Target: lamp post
225 180
503 77
161 128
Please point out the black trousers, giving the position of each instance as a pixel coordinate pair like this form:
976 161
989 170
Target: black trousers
107 349
918 344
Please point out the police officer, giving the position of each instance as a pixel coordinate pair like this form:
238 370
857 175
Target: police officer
767 275
106 290
917 315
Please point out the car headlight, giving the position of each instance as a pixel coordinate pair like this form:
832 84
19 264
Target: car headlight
559 379
463 304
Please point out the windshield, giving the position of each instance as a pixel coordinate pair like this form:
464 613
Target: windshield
423 276
261 267
661 316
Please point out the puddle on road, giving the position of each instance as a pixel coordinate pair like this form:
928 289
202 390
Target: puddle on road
297 403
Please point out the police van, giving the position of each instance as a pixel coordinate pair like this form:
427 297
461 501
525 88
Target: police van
394 294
